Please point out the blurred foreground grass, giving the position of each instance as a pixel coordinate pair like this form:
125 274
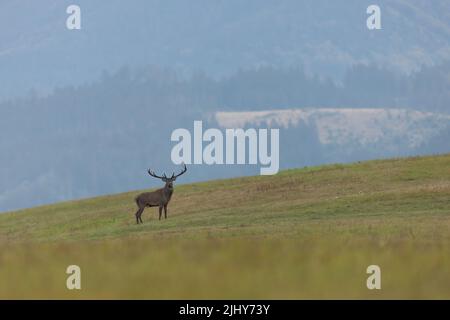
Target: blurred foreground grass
235 269
306 233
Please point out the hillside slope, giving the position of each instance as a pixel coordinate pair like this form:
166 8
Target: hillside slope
329 198
305 233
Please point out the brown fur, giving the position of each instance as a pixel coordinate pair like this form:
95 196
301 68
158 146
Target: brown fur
159 198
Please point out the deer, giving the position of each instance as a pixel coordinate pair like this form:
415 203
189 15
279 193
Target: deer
159 198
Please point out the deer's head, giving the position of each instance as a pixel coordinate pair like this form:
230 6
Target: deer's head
168 180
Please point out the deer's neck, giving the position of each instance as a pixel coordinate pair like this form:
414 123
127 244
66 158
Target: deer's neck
168 192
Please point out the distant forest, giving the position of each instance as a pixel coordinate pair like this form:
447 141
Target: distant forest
164 90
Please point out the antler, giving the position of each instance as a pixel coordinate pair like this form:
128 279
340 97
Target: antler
182 171
164 177
153 174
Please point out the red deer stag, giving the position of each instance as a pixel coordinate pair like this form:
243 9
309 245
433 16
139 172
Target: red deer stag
159 198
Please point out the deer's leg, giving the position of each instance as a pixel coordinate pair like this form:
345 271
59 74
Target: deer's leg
160 212
138 215
165 211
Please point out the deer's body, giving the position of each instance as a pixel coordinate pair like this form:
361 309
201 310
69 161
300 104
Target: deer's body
159 198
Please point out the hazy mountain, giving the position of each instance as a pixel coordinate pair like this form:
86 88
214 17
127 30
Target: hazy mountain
218 37
343 135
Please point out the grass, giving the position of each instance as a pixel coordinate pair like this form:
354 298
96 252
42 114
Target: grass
304 233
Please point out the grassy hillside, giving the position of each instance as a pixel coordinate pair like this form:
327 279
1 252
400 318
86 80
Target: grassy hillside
305 233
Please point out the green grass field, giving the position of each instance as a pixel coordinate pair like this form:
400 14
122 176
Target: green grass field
304 233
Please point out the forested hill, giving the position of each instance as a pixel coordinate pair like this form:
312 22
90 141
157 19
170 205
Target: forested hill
217 37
